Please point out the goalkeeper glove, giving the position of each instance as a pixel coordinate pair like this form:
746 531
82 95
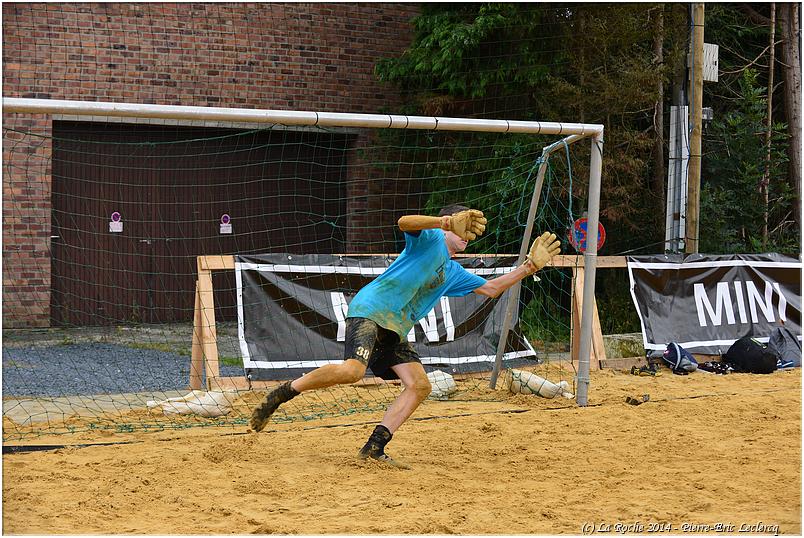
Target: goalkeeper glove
542 250
467 225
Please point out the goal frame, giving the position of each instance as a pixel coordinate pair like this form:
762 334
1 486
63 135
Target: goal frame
572 133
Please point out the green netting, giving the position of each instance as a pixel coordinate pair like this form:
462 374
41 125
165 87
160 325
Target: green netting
119 305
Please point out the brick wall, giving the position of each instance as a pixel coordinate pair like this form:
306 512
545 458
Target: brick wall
26 222
267 55
256 55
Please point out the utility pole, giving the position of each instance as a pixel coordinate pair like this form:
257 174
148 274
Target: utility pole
764 188
696 92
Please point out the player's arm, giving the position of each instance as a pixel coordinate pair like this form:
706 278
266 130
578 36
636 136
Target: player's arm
467 224
541 252
414 223
494 287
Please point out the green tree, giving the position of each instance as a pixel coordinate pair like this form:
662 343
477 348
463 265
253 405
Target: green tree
731 203
734 152
590 63
467 57
594 63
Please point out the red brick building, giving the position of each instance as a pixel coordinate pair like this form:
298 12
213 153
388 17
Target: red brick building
317 57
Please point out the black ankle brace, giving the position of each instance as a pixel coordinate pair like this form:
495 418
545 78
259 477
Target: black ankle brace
286 392
377 441
381 434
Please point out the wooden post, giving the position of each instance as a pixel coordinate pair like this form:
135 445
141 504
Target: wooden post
209 333
598 349
575 322
694 177
197 361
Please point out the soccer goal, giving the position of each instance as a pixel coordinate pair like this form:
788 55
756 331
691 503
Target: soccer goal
217 249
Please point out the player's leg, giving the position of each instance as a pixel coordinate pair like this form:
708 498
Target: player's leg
361 335
349 371
417 387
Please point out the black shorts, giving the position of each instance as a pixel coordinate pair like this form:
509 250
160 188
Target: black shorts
377 347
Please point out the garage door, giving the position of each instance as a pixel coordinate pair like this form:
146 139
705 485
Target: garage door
166 191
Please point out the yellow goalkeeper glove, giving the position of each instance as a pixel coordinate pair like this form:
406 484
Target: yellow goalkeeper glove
542 250
467 225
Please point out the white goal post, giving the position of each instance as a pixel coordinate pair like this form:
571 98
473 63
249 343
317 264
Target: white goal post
572 132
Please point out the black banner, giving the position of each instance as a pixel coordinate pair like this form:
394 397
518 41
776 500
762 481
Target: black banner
292 316
704 303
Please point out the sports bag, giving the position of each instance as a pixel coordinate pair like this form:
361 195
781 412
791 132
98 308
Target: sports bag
751 356
785 344
679 359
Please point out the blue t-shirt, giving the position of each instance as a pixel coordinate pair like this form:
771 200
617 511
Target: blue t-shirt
412 285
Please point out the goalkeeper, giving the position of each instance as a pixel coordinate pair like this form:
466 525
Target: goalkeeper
383 312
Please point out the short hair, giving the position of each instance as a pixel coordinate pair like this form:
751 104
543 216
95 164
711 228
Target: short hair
451 209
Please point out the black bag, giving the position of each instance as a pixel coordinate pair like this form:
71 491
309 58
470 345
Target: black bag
749 355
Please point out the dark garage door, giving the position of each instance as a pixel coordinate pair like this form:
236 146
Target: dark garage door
284 191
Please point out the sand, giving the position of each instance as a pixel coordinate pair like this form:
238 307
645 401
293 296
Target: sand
706 450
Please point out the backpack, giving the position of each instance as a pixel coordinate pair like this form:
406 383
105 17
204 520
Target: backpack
785 344
679 359
751 356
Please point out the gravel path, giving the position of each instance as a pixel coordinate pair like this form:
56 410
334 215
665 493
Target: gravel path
94 368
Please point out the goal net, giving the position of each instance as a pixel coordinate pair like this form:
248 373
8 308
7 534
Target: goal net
151 252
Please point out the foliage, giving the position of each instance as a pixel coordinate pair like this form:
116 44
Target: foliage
544 318
732 205
614 304
463 50
498 179
740 42
734 146
589 63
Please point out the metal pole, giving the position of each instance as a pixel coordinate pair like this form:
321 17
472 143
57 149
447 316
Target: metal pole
513 297
590 265
292 117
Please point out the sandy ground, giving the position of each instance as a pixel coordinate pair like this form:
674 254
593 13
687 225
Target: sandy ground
706 450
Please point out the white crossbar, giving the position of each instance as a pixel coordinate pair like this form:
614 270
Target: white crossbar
289 117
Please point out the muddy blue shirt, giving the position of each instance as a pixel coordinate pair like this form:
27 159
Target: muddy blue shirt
412 285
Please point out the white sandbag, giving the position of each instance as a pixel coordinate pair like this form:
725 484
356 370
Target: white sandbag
213 403
523 382
443 385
